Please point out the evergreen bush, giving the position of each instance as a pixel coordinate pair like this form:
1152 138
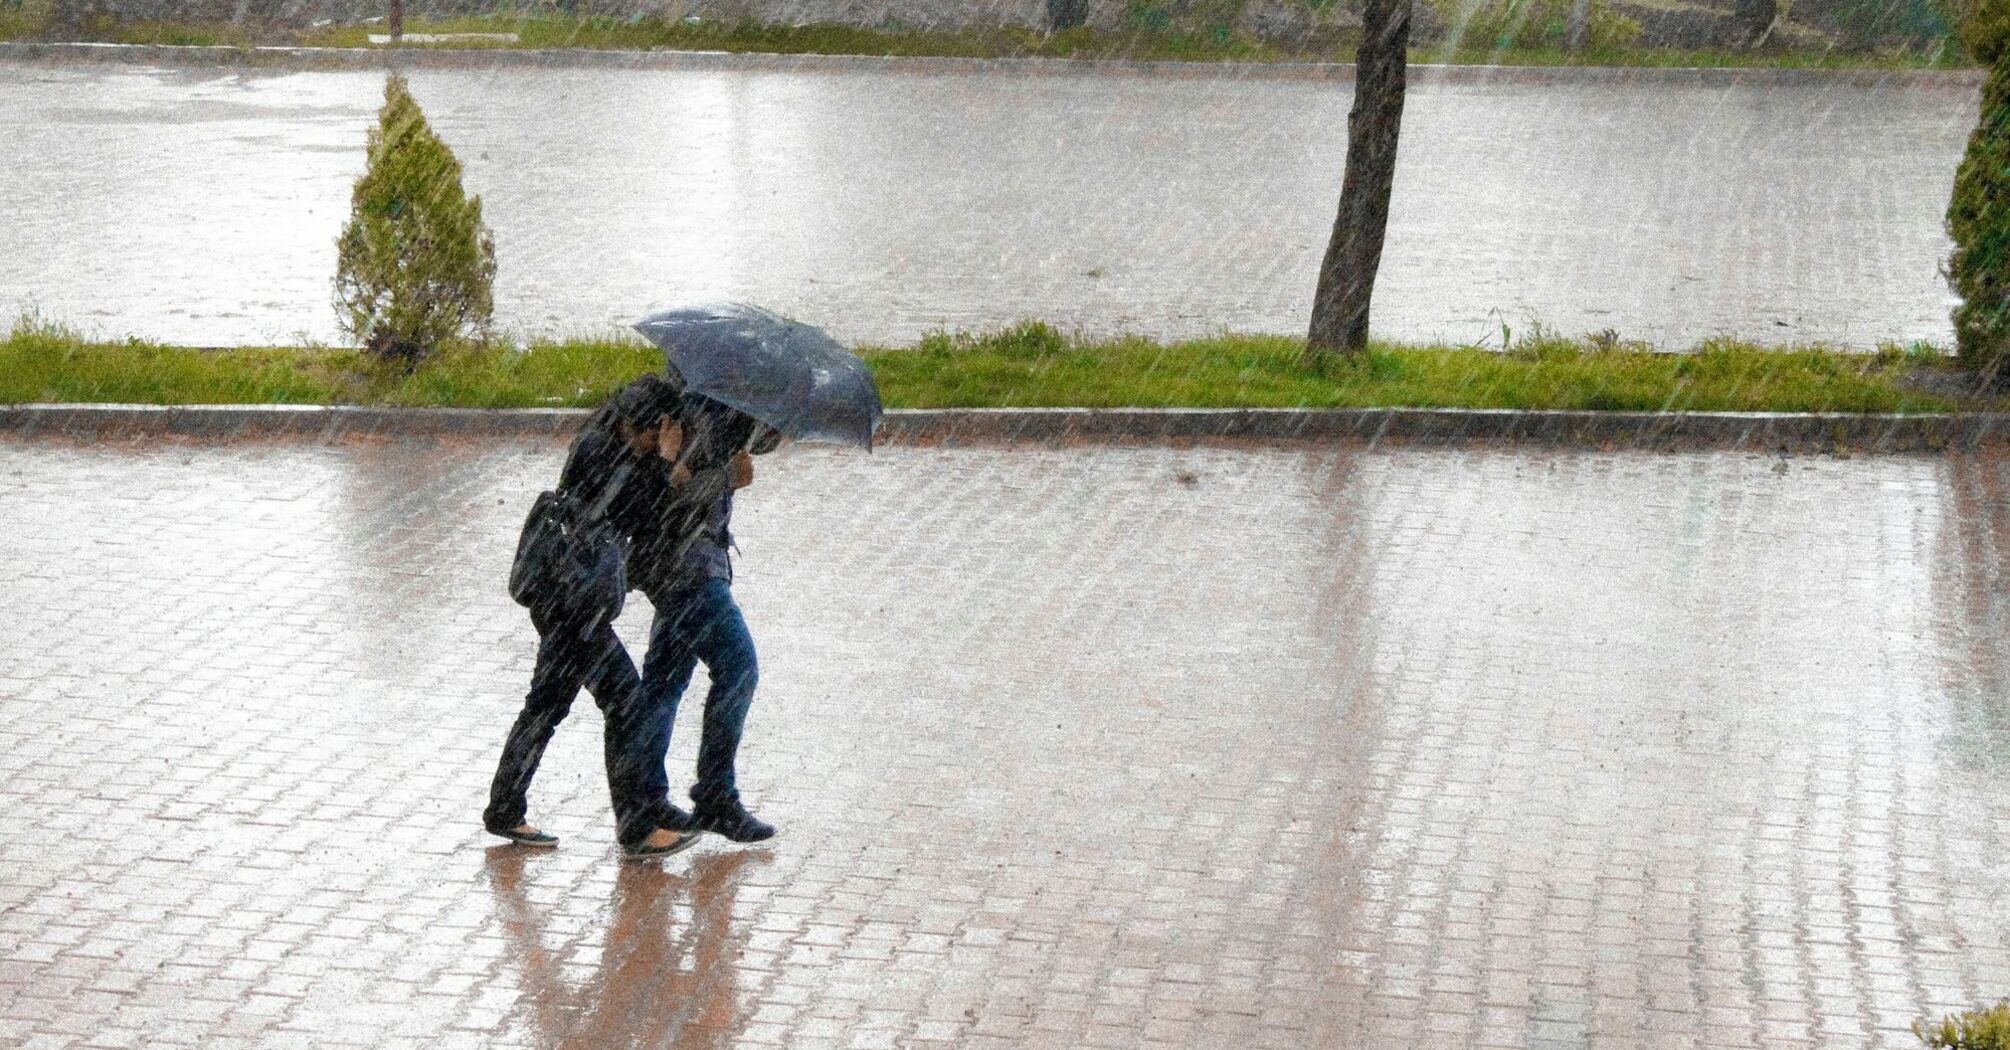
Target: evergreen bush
415 266
1978 217
1975 1030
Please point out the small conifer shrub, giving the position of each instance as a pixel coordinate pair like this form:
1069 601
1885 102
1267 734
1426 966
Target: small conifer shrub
1978 217
415 266
1975 1030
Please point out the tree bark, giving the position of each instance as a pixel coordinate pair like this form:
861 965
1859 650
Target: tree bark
1347 274
1756 20
397 20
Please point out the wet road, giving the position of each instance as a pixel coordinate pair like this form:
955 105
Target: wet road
202 205
1124 747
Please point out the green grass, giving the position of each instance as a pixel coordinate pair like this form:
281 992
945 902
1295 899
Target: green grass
1033 365
179 34
994 42
997 42
19 24
16 24
1675 58
41 362
1029 365
1008 42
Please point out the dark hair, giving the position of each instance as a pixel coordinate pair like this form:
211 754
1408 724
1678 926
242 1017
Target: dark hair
641 404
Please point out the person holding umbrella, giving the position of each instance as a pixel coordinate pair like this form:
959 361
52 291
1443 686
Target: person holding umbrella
750 379
614 485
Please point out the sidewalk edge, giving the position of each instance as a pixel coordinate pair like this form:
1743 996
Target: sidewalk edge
1746 431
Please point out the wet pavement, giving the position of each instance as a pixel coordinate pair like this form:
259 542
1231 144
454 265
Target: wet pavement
202 205
1107 746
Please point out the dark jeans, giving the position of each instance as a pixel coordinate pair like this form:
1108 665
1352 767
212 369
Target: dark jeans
693 623
566 660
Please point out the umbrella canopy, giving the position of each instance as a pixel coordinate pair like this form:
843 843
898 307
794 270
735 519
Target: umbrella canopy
788 375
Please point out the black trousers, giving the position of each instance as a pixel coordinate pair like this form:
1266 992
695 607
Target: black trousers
569 657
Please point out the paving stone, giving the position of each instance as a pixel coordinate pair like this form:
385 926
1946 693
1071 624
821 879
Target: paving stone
1329 747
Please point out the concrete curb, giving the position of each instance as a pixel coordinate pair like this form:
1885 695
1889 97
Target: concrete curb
1649 431
315 58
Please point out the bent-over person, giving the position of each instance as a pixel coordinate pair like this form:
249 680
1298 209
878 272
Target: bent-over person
615 468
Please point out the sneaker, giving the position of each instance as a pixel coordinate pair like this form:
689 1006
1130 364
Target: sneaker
731 820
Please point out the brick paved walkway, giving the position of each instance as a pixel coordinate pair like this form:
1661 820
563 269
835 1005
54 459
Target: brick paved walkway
1097 747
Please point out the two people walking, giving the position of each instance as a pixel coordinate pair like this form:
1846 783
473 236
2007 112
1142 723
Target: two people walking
651 477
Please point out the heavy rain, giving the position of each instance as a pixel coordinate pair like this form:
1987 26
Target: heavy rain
785 523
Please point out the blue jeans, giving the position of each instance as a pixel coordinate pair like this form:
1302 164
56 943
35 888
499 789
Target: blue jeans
700 622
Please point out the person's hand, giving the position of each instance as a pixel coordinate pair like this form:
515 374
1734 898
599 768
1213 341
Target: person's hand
670 440
740 469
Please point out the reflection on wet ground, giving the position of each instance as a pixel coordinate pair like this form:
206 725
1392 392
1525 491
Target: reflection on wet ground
657 969
1107 746
202 206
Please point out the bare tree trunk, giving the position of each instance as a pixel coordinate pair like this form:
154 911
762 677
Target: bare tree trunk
1756 20
1347 274
1580 26
397 20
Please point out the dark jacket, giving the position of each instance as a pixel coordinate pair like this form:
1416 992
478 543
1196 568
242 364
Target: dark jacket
688 537
605 475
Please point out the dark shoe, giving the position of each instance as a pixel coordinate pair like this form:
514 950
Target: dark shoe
639 851
533 837
732 821
674 818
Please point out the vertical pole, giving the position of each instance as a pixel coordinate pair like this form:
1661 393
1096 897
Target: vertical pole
397 21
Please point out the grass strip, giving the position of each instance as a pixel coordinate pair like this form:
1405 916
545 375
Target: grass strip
1026 366
987 42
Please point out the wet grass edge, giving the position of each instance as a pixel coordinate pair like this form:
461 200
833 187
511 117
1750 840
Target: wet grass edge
985 42
1029 365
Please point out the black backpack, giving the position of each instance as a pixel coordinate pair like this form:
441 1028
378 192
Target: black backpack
570 564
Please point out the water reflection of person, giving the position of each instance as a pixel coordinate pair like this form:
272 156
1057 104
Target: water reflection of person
656 982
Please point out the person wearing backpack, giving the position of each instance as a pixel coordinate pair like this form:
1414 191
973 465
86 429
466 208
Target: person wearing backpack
685 569
570 573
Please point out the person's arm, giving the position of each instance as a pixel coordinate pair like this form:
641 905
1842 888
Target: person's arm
702 486
737 473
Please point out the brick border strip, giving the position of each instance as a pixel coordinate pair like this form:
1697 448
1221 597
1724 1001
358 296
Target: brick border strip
1746 431
321 58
